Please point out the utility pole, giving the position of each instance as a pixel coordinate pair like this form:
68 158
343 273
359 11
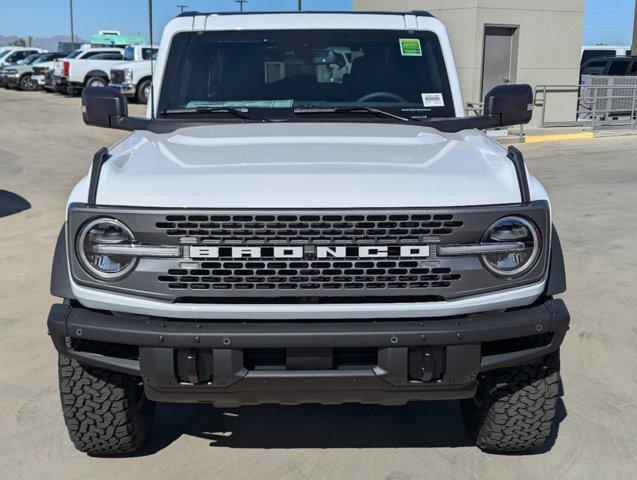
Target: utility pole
182 7
633 51
300 5
152 62
72 32
241 2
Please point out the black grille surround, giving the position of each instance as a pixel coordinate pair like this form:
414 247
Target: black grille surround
310 279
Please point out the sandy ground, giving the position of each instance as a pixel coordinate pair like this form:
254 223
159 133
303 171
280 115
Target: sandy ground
45 149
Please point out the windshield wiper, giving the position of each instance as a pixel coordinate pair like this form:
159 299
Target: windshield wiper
243 113
356 109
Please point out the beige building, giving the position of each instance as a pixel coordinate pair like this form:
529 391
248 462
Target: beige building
508 41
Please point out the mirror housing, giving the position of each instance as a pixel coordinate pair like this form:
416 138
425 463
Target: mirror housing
101 104
107 107
511 104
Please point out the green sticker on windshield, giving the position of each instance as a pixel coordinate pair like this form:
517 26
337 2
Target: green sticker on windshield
410 47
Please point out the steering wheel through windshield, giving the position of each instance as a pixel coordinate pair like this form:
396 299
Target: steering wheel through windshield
380 95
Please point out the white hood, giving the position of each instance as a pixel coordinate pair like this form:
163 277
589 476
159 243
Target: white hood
307 165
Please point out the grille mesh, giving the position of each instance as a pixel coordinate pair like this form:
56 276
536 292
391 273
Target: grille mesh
310 275
309 229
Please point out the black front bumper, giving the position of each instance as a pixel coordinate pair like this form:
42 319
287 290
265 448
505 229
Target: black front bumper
203 361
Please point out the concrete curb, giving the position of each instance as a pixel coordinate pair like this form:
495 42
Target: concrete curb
560 137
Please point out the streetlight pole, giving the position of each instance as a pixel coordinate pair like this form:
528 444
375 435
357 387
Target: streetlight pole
300 5
152 62
72 32
241 2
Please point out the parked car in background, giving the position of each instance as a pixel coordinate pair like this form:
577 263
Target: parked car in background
20 74
611 66
596 51
12 74
41 65
133 78
85 67
11 55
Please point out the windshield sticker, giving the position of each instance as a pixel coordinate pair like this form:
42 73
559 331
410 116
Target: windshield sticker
410 47
433 100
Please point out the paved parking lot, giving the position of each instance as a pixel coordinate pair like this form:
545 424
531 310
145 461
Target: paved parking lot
45 149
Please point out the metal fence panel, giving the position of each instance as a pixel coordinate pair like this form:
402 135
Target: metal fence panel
602 100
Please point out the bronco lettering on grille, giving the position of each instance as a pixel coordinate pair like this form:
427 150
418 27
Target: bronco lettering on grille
309 251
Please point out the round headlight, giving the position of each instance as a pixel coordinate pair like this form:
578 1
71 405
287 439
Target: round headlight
104 231
512 230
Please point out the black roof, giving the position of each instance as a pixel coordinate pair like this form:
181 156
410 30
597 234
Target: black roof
603 58
419 13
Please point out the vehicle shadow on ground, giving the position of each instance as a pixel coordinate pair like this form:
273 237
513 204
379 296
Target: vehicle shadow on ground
415 425
418 424
10 203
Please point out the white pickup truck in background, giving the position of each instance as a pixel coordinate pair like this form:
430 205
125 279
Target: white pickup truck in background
134 78
92 66
86 66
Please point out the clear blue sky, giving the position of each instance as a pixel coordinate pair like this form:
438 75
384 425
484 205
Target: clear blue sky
607 21
45 18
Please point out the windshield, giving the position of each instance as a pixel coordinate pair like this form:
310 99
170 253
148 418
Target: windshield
30 59
398 71
129 54
74 54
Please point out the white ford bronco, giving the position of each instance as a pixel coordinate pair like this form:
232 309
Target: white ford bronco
307 215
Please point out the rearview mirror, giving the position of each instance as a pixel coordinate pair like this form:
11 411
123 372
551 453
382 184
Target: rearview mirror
102 106
513 104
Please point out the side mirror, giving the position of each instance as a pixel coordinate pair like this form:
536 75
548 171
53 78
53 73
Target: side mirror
103 106
513 104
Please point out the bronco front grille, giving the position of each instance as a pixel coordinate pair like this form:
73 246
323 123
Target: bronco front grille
311 276
329 275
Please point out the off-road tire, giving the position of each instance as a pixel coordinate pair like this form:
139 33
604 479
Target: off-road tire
513 409
105 412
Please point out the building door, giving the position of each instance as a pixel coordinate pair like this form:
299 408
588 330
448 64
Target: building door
500 57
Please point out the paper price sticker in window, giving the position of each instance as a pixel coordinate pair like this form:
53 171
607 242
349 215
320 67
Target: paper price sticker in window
433 100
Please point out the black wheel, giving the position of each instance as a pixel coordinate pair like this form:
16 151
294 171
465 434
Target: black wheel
106 413
25 82
97 82
143 91
513 409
